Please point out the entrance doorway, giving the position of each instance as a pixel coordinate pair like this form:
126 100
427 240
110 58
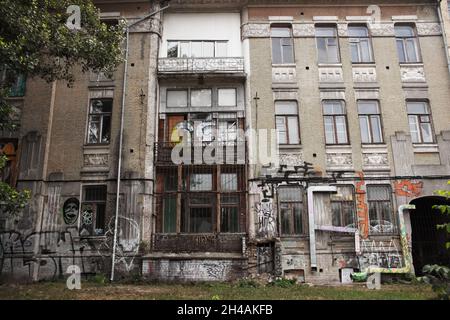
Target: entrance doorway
428 243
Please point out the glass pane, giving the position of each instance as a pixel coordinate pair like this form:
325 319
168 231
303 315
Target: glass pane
294 137
325 32
106 129
201 182
364 125
95 194
411 50
196 49
417 108
354 52
172 49
322 50
288 51
176 98
298 223
368 107
378 193
285 219
170 215
229 220
201 98
221 49
276 51
94 129
279 32
229 181
281 130
358 31
401 51
329 130
101 105
333 107
414 128
333 51
427 134
377 136
290 194
286 108
336 214
185 49
404 31
366 55
208 49
227 97
348 214
341 129
201 220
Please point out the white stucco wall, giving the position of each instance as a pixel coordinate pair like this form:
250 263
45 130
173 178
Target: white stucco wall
203 26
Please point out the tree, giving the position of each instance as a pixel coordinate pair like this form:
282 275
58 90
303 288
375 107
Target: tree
36 42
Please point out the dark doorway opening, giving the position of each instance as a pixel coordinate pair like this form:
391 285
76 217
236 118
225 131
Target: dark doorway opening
428 243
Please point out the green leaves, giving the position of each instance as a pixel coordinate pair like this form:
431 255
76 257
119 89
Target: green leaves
11 200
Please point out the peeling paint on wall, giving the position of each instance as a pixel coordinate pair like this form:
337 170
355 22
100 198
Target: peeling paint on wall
408 188
362 211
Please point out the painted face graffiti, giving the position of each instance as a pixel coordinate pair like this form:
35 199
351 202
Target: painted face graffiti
70 211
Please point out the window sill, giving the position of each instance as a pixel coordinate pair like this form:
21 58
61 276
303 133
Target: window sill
364 64
374 145
330 65
426 148
284 65
411 64
290 146
96 146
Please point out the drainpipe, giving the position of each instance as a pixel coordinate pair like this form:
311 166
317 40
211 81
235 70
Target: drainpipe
122 116
444 34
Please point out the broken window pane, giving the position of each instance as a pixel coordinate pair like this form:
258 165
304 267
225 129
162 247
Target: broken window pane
172 49
201 182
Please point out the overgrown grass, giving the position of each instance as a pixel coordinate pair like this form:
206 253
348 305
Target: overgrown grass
216 291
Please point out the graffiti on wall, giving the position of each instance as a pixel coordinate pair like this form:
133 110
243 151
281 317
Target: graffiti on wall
408 188
266 219
380 254
362 211
70 211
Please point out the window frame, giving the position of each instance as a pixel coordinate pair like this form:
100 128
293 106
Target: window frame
95 204
391 210
418 117
327 38
282 46
291 205
368 117
334 116
404 40
286 122
341 209
358 40
235 97
179 42
101 115
177 89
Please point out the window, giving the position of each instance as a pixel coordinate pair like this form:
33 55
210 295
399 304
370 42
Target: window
380 209
370 122
177 98
201 98
227 97
407 45
9 172
420 122
343 207
287 122
360 45
327 44
170 202
197 49
93 211
201 182
335 121
198 216
99 128
282 45
291 210
14 82
229 214
227 127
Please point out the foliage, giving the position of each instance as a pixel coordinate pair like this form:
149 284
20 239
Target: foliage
247 283
35 41
11 200
445 210
283 282
439 278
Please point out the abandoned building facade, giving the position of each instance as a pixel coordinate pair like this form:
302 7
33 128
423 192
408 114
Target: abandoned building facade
304 139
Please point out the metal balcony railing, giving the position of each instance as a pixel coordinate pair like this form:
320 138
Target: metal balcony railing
201 65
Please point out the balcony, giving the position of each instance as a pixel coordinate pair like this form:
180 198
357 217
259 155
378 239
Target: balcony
232 153
172 66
